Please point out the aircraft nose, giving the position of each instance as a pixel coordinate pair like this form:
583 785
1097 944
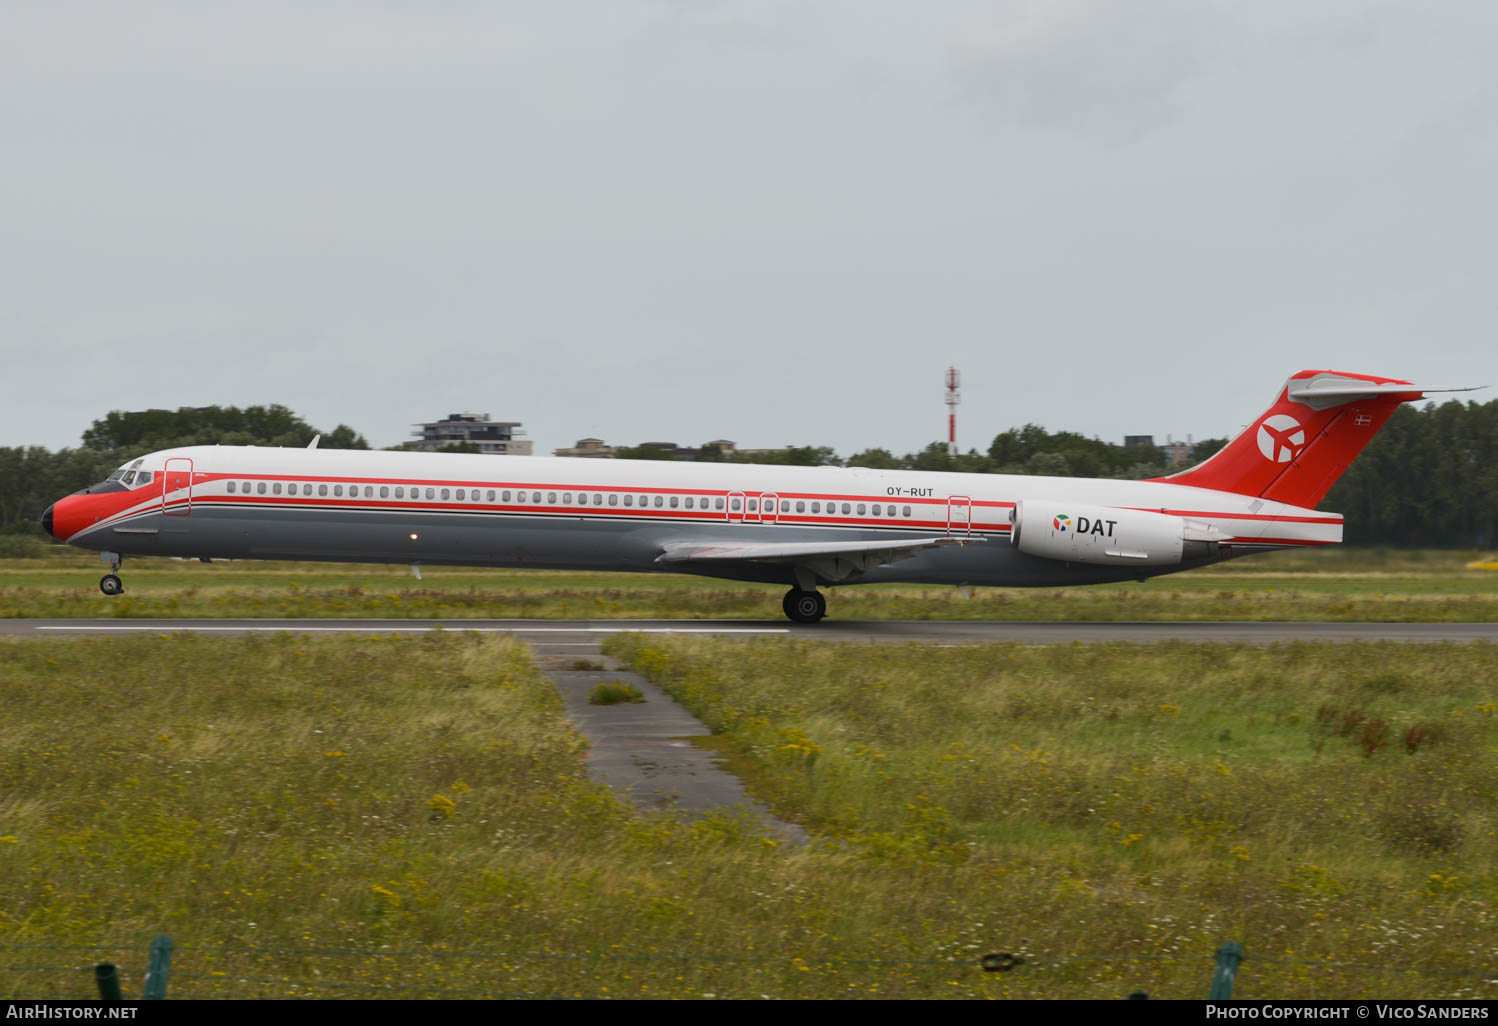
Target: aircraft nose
47 521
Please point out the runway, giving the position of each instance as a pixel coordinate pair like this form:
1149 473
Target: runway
947 632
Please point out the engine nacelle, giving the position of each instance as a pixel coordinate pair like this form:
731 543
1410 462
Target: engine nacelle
1116 537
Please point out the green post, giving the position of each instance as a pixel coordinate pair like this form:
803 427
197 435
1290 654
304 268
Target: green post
161 959
108 979
1228 957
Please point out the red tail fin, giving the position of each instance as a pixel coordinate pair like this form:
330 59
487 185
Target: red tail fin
1298 448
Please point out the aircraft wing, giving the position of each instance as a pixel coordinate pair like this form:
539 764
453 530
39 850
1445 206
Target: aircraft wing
832 560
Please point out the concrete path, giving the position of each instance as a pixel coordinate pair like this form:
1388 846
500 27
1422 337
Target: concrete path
640 749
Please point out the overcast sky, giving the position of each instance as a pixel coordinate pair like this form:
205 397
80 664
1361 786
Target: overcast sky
771 222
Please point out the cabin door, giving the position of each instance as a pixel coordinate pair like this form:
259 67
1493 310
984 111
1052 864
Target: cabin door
176 487
769 508
959 516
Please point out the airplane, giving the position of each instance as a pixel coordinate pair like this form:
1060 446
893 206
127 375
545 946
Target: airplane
806 527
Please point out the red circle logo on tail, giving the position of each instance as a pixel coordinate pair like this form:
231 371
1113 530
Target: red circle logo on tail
1281 438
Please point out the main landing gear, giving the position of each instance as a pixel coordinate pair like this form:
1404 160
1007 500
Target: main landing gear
110 584
804 606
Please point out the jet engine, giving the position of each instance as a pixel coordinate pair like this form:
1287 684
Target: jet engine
1105 535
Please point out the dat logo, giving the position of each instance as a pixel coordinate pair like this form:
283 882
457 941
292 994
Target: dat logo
1281 438
1085 525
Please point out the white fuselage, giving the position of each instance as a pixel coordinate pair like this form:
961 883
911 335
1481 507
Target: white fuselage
438 508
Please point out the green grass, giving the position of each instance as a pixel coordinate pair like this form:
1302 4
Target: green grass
1319 803
615 693
408 816
1333 585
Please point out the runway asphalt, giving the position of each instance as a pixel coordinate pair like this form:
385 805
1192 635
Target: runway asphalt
930 631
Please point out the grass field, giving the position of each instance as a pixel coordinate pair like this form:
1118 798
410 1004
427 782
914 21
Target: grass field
1331 585
408 816
1321 804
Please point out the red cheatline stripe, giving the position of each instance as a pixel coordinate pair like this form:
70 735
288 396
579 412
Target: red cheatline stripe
617 512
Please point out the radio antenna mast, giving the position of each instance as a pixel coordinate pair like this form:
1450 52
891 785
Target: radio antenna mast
953 398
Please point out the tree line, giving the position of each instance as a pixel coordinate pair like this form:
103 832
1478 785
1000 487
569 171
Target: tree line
1428 479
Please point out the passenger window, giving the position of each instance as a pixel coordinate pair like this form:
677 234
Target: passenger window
907 511
504 496
785 505
445 495
322 489
338 490
674 501
800 506
567 498
847 509
735 504
689 502
244 486
491 495
260 488
461 494
551 498
231 487
536 498
753 505
816 507
877 510
718 502
400 493
597 500
629 500
860 509
660 500
613 499
644 500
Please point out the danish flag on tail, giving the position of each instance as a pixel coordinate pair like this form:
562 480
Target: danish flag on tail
1298 447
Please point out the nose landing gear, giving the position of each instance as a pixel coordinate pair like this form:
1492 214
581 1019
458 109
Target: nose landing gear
804 606
110 584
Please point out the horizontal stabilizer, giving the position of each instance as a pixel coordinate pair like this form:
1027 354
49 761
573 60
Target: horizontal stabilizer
1333 391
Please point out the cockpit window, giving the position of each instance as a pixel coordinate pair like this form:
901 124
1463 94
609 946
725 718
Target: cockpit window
129 477
116 475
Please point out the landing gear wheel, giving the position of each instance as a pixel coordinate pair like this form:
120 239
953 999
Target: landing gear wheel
804 606
109 584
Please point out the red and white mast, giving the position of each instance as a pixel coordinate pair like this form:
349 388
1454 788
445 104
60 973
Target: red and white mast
953 398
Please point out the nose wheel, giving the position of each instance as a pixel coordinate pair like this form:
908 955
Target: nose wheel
804 606
110 584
